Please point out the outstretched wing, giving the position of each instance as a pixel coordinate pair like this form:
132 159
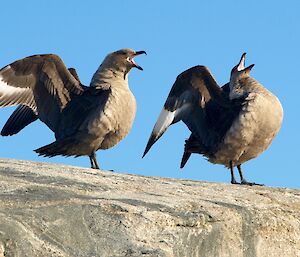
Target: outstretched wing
199 102
19 119
24 115
41 82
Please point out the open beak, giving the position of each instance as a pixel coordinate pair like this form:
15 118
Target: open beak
133 62
249 68
241 64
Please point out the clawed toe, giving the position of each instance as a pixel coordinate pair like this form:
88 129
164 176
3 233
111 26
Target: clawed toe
245 182
234 182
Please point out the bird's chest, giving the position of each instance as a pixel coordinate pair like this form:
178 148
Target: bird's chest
251 132
244 127
116 118
120 110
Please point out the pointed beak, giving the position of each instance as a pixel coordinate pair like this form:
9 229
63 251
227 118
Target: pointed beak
140 52
241 65
134 63
249 68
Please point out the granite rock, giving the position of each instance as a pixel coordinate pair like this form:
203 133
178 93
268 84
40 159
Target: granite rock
59 211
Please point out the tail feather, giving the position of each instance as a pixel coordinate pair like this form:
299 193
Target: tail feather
192 145
64 147
185 157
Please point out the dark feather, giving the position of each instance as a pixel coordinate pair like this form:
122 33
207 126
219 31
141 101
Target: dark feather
77 111
197 86
197 100
74 73
43 83
19 119
64 147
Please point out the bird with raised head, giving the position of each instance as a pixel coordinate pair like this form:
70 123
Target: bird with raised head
229 125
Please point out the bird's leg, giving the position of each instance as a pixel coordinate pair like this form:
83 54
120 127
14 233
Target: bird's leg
94 164
233 181
243 180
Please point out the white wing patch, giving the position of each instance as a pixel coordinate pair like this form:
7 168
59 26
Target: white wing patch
10 95
166 118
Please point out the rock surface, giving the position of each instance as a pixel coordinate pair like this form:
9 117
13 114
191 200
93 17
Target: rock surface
54 210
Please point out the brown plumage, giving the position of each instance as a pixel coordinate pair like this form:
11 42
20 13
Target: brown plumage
229 125
24 115
84 119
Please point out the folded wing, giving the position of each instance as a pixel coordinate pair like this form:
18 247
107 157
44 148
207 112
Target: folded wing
81 110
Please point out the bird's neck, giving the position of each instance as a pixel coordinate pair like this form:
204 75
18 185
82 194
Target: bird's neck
109 76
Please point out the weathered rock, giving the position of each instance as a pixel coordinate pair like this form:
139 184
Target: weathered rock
55 210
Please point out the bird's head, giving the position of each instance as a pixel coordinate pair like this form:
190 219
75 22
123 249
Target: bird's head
122 60
237 76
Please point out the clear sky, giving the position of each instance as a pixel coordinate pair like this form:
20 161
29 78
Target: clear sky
176 35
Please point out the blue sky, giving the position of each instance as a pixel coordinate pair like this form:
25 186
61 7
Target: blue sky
176 35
